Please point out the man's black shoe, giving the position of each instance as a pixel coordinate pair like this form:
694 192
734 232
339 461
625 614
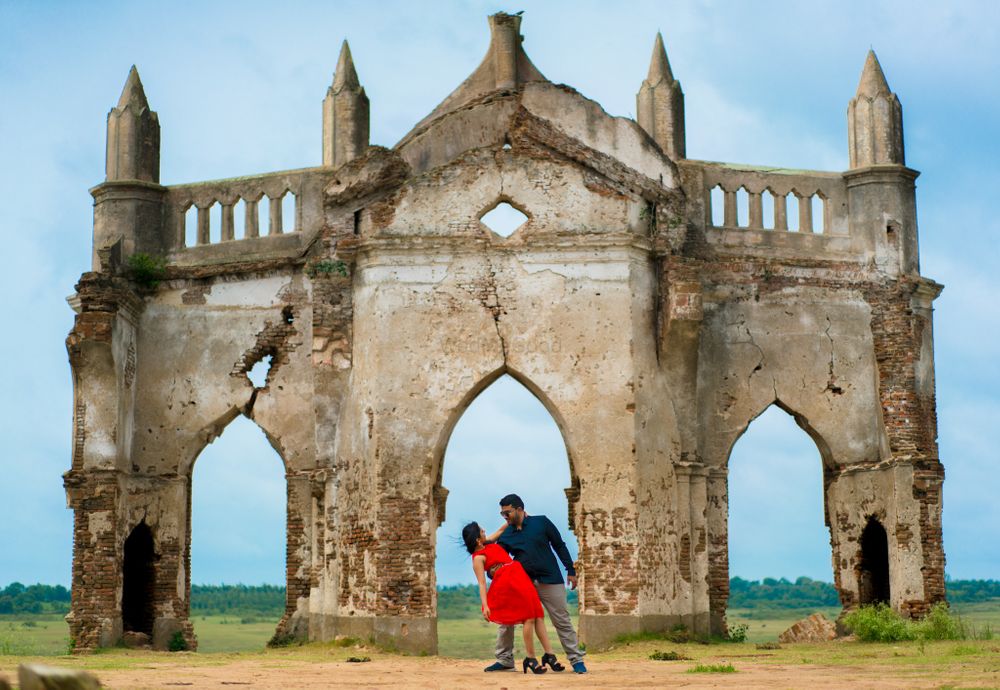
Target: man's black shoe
497 666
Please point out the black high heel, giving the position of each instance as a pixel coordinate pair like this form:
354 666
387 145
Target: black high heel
552 662
532 663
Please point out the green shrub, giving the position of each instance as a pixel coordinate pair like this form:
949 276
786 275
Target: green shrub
327 268
713 668
941 624
283 639
177 642
738 633
668 656
878 623
146 270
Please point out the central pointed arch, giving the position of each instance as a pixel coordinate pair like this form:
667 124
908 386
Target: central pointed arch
473 393
503 435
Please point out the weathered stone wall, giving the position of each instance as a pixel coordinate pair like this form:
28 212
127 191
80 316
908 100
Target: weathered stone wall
652 335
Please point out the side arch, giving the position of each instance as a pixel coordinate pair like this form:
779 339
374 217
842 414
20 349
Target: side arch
719 527
215 429
298 531
825 453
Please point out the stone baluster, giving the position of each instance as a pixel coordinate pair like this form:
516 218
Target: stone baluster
227 233
251 227
203 224
756 211
729 214
805 214
780 211
274 217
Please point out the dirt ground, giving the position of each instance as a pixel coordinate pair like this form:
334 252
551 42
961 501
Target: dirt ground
753 670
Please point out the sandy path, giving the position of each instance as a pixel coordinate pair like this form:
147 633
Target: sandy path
396 672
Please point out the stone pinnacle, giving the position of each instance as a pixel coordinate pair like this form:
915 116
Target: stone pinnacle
873 81
659 66
345 76
133 93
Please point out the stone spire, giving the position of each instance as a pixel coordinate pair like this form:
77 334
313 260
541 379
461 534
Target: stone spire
660 104
345 114
874 120
133 151
506 67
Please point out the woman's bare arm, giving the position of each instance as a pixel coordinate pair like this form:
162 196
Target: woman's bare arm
479 568
491 538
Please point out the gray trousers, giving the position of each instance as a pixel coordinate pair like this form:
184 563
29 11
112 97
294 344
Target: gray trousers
554 600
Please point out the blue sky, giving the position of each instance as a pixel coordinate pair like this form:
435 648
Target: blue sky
238 88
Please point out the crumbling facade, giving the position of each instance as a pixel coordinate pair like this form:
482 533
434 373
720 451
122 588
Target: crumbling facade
654 304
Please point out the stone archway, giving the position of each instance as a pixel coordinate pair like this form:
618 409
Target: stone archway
719 594
491 453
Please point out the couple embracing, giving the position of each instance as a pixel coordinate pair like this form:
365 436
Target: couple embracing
523 585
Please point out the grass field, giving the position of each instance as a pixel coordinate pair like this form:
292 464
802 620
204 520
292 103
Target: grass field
48 635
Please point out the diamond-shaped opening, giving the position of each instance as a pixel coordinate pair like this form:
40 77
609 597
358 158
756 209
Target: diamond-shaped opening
503 219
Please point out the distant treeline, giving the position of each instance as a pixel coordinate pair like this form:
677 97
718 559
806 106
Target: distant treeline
261 600
462 601
967 591
16 598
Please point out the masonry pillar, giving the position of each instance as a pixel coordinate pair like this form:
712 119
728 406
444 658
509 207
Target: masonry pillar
101 349
717 489
300 522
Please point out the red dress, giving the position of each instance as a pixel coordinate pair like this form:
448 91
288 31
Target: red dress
511 597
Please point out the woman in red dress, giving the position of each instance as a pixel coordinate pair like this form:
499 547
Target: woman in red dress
511 598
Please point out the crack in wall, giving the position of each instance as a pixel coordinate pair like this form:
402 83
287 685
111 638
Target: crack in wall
760 351
490 299
831 384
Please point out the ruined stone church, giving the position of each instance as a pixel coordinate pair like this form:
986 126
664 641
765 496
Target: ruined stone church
654 304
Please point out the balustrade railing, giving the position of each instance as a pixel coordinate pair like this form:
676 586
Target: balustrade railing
738 197
205 213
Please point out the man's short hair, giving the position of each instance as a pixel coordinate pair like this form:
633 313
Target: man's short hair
512 500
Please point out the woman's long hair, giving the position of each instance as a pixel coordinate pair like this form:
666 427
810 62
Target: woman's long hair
470 536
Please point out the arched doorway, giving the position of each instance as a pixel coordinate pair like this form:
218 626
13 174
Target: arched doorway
779 551
238 536
505 441
138 581
873 564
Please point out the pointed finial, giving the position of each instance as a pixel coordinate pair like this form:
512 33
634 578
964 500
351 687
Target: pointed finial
660 104
133 93
345 76
874 120
345 114
659 66
873 81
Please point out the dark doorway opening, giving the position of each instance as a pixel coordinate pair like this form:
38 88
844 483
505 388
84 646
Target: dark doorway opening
873 571
139 581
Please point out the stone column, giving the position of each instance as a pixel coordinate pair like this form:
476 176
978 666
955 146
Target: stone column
718 549
95 611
